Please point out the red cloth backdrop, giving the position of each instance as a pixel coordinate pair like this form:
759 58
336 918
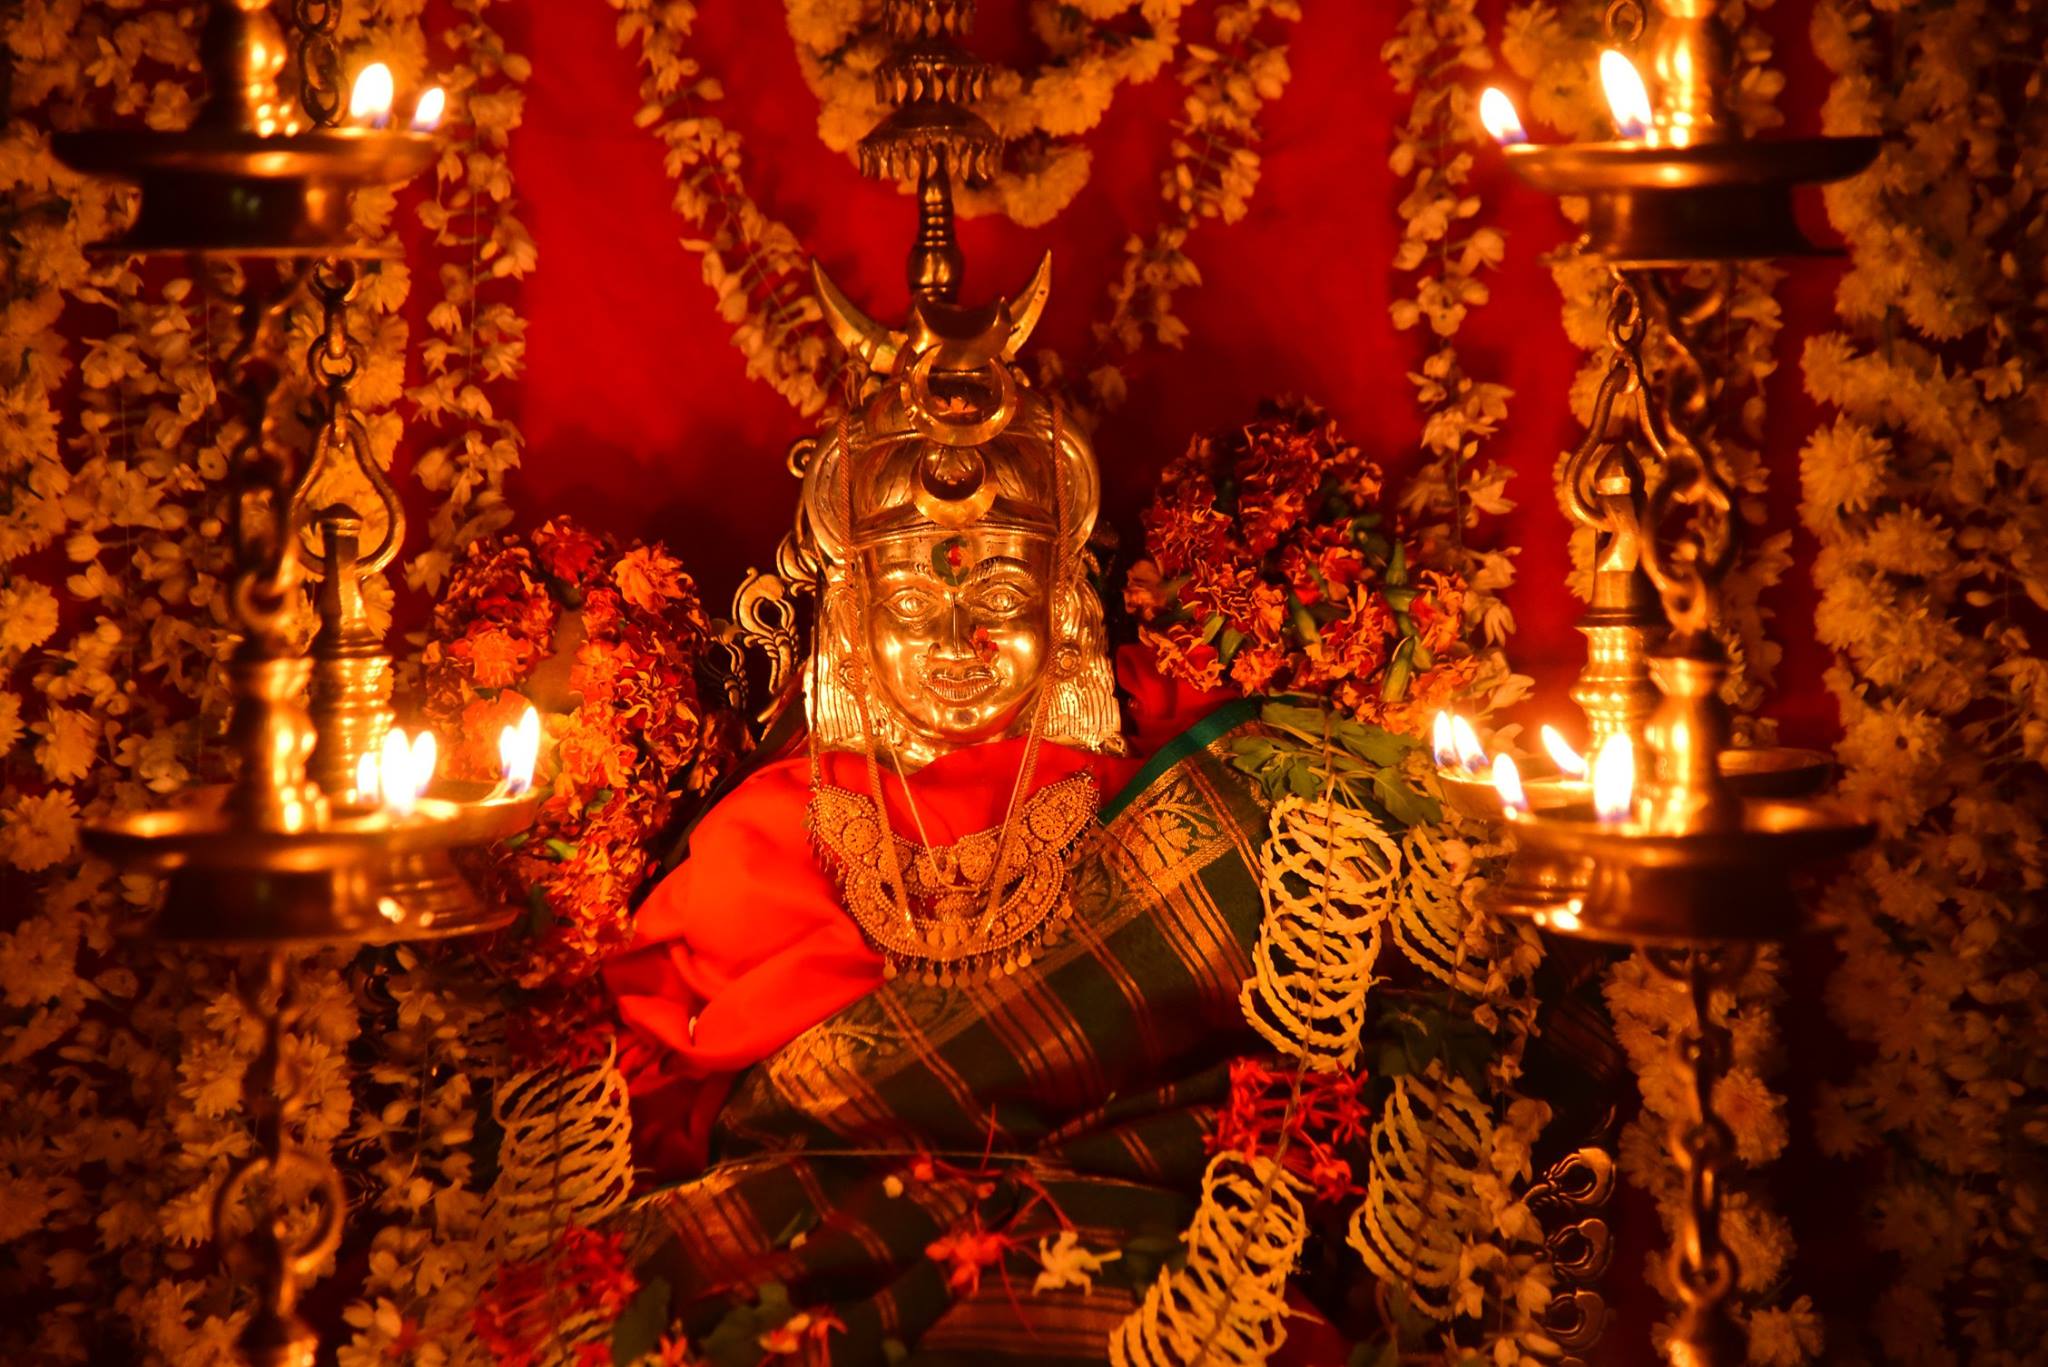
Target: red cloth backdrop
640 418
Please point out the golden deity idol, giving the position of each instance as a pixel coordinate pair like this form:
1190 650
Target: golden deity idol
950 519
951 516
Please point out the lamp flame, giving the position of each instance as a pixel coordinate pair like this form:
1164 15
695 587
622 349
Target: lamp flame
399 775
1628 99
1507 781
1562 754
1441 746
1614 778
1497 115
518 752
1471 754
426 115
369 99
392 767
426 757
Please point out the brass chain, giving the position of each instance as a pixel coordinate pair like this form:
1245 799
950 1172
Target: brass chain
262 479
1702 1265
315 22
1624 21
334 359
282 1258
1689 533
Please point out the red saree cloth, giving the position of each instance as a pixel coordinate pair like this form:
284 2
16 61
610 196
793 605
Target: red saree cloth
746 945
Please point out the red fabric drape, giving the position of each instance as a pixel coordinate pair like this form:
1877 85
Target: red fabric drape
746 945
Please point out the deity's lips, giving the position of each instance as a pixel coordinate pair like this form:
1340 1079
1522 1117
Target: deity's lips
959 685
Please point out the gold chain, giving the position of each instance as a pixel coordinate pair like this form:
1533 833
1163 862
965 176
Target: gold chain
892 869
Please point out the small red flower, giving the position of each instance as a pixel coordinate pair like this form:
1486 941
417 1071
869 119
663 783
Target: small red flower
1324 1117
967 1252
581 1273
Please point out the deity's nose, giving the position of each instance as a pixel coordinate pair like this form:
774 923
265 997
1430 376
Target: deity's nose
956 642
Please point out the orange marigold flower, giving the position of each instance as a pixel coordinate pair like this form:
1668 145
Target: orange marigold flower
496 658
567 551
1254 668
648 577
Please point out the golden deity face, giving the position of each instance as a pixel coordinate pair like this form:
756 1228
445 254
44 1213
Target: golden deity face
949 518
959 629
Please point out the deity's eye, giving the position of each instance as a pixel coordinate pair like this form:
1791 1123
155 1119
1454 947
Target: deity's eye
911 605
1003 600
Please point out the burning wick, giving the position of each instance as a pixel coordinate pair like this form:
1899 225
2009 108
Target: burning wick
368 784
518 751
1614 779
1498 117
369 99
1471 754
1562 754
1455 745
401 773
1627 98
1507 781
426 115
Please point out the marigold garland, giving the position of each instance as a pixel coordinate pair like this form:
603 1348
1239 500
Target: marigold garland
1270 568
625 731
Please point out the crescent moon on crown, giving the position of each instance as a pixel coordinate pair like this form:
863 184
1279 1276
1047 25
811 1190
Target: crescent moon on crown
965 339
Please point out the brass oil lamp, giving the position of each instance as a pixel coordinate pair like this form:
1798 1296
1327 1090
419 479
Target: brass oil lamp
283 857
262 171
1696 863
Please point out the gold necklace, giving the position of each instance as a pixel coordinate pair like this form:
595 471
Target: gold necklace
854 840
981 906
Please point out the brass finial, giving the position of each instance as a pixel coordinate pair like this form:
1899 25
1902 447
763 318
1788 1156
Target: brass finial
351 693
931 134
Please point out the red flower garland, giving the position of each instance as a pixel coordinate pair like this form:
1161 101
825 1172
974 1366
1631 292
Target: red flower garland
606 643
582 1273
1271 569
1327 1116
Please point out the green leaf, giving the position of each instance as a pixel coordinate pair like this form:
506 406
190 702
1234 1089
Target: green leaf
540 917
1302 780
1399 670
1304 623
1403 803
639 1329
